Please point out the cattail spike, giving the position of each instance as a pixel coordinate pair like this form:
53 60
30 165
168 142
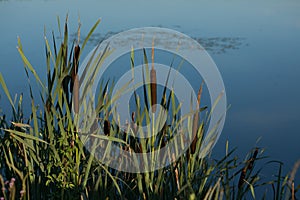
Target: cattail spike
194 132
199 95
106 127
251 161
242 178
75 66
153 82
195 121
248 167
153 89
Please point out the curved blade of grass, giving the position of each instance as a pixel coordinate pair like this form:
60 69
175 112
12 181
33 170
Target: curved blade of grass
25 135
4 86
31 68
89 35
113 179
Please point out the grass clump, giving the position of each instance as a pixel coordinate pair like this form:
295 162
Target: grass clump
44 157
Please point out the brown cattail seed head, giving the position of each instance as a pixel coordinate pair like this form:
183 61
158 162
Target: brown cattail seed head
106 127
153 89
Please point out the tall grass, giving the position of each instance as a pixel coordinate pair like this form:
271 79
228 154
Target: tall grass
45 158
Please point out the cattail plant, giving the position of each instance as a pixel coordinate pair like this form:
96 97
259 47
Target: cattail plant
106 127
74 86
195 125
153 84
245 173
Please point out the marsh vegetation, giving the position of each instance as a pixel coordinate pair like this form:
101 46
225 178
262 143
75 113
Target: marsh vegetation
43 157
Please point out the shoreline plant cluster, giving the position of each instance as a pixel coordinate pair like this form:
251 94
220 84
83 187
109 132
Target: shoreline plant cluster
44 157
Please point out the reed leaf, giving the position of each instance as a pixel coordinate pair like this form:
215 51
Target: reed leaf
3 84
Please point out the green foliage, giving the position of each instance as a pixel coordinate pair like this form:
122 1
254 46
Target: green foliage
44 157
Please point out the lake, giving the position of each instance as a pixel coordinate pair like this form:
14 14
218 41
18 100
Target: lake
255 45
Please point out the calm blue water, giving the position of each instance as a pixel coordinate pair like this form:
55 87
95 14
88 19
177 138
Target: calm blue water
254 44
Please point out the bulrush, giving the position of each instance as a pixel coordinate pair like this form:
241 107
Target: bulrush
106 127
74 86
153 82
133 123
248 167
74 71
195 122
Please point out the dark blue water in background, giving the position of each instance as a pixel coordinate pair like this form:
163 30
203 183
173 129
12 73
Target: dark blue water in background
254 44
